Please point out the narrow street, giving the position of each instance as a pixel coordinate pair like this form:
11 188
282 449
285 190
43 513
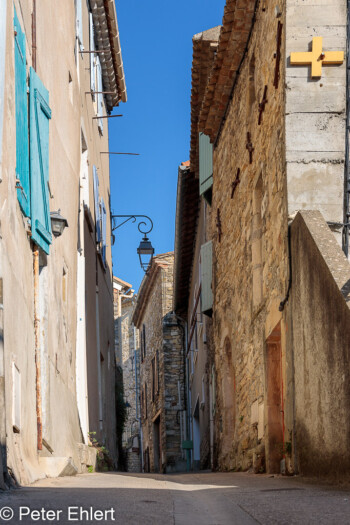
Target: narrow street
205 498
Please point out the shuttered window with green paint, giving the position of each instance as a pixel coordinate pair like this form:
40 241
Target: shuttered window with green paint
205 167
40 115
22 146
206 278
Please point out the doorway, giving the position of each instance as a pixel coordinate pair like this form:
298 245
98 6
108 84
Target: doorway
156 444
196 438
274 397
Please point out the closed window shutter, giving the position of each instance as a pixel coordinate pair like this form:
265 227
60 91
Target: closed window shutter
40 114
206 278
97 207
92 57
205 167
104 230
99 95
22 141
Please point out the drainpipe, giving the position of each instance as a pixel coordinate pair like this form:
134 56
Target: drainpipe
37 349
347 146
98 349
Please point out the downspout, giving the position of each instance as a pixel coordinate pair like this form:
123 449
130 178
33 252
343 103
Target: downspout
285 300
36 289
98 350
347 146
37 350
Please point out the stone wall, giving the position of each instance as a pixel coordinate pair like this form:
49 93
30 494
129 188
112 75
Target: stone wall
320 300
162 339
250 267
315 110
127 348
174 391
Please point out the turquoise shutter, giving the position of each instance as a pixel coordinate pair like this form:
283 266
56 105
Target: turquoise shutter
99 95
97 207
22 141
92 57
206 278
40 114
205 167
104 230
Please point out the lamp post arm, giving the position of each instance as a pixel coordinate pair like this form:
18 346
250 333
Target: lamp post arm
132 218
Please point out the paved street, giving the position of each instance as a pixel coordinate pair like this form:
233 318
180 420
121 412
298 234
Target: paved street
205 499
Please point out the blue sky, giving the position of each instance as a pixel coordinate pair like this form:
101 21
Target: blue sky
156 40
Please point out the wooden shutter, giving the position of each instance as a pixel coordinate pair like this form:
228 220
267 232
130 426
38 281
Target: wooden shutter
40 114
99 95
205 167
206 278
22 141
104 230
97 207
92 57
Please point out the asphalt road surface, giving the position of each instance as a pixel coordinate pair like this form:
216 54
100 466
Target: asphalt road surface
182 499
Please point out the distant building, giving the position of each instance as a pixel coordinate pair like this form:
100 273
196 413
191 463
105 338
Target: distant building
57 362
162 389
127 346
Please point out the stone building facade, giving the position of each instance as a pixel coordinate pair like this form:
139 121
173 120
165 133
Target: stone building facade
271 141
57 368
162 391
192 240
127 346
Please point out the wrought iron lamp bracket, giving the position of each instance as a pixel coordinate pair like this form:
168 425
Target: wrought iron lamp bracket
132 218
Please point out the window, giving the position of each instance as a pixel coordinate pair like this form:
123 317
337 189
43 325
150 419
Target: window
92 57
143 342
205 167
97 207
22 143
103 214
100 103
155 376
206 278
144 402
79 23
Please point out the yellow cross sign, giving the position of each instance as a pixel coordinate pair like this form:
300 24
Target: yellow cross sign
317 58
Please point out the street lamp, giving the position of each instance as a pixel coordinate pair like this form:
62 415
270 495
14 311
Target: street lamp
145 250
58 223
